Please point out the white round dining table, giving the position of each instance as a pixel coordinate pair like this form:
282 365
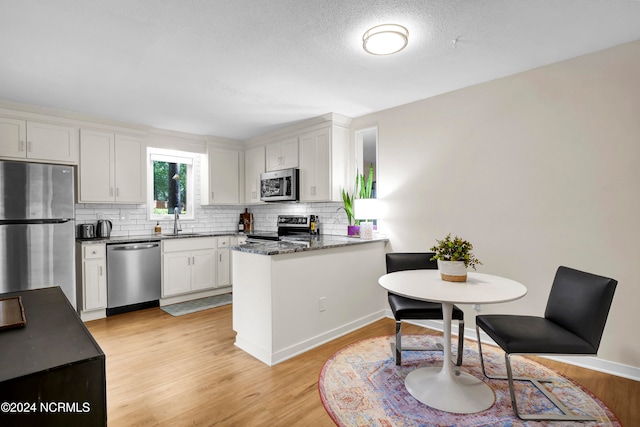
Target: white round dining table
446 388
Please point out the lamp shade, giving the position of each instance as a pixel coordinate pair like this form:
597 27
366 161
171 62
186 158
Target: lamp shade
365 209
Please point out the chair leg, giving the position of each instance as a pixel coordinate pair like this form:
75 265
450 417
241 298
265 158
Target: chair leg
460 342
398 349
567 415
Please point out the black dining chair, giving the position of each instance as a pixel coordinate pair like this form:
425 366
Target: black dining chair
404 308
573 323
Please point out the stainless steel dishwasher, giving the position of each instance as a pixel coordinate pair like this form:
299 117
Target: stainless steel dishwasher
133 276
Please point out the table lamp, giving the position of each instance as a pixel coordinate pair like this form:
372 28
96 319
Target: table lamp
366 210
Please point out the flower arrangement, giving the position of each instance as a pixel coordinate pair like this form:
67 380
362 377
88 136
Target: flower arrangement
455 249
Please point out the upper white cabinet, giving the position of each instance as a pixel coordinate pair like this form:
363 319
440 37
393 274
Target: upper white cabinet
282 154
223 177
254 165
28 140
112 168
323 163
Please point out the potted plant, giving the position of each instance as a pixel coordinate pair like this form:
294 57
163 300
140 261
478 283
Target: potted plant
347 199
454 256
361 189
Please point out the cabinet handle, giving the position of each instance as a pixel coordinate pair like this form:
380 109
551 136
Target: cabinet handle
110 191
220 257
193 260
100 271
29 144
212 195
117 192
21 146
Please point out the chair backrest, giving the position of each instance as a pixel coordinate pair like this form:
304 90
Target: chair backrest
399 261
580 303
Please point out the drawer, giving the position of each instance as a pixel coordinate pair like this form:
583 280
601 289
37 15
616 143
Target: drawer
223 242
93 251
189 244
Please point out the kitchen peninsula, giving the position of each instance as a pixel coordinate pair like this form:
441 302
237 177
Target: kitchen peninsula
289 297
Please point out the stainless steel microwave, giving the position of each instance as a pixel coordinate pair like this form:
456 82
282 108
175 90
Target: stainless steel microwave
280 186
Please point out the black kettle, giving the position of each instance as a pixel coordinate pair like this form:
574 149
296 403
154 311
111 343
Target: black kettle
103 228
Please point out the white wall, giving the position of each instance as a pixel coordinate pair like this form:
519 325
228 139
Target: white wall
537 170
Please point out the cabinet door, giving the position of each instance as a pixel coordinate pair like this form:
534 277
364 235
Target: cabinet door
94 282
13 136
96 182
130 169
176 273
203 269
254 164
282 154
52 142
224 268
315 165
290 153
224 177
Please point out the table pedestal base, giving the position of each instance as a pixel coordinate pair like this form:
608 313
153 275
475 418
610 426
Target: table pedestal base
462 394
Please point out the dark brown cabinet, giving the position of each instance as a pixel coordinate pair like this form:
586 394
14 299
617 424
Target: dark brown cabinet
52 372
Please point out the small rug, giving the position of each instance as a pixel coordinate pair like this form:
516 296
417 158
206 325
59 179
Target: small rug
187 307
361 385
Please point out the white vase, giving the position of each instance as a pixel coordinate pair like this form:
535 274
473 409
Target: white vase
452 271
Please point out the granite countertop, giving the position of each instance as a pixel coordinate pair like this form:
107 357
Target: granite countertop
324 241
154 237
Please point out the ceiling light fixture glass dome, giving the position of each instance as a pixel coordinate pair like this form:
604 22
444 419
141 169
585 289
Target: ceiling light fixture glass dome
385 39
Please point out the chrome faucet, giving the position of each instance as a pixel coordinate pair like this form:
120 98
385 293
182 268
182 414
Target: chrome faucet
176 217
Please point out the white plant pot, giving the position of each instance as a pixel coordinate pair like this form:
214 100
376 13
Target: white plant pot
452 271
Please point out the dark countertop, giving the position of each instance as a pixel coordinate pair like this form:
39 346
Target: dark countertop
155 237
324 241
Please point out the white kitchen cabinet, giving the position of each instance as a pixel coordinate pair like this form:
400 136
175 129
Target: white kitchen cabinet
188 265
254 165
92 269
112 168
223 177
282 154
224 263
26 140
323 164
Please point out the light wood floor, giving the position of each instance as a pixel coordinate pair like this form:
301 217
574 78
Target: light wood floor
185 371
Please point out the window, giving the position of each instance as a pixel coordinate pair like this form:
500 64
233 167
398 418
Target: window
171 183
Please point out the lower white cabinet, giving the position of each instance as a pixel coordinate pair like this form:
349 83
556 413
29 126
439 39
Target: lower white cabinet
188 265
224 266
92 269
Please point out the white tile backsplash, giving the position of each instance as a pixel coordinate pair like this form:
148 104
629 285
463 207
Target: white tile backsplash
131 220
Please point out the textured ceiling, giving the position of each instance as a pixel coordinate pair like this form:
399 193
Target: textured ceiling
238 68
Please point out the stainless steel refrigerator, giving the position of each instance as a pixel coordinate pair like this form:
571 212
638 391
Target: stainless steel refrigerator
37 227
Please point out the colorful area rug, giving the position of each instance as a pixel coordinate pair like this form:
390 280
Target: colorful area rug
360 385
182 308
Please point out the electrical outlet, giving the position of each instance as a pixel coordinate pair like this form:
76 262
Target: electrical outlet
322 303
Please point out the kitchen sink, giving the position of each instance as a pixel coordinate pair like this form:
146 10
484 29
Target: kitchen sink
186 234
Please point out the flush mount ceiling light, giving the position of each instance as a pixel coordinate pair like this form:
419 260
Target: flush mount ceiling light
385 39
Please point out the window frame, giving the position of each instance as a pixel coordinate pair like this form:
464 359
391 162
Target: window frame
173 156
